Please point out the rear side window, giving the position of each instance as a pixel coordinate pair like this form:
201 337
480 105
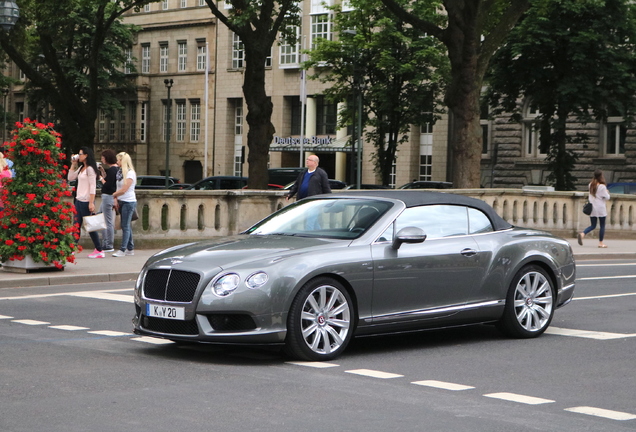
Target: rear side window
439 221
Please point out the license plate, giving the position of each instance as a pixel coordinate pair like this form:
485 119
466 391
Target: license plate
167 312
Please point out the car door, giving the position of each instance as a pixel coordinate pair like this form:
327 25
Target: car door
431 279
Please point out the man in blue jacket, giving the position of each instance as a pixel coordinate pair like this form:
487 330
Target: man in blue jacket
312 181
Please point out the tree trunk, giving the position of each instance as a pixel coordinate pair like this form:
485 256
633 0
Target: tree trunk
259 113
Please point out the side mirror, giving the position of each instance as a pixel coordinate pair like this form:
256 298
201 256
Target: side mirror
408 235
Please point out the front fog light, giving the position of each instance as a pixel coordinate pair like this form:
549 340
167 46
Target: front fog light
226 285
256 280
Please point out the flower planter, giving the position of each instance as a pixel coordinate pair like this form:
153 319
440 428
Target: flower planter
27 265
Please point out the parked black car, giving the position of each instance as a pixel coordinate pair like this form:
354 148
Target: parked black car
220 182
427 185
157 182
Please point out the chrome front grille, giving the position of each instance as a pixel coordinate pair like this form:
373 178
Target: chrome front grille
171 285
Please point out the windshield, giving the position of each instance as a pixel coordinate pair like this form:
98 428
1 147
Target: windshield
330 218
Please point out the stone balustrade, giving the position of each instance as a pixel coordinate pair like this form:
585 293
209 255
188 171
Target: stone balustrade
180 216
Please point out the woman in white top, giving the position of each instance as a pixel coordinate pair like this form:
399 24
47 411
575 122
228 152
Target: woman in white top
86 176
126 201
598 196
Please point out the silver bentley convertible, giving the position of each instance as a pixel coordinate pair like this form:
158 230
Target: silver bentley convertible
319 271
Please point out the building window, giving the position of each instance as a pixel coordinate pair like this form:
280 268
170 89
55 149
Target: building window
184 3
426 152
142 124
128 66
163 58
614 134
296 108
147 8
195 121
145 58
201 56
238 53
268 59
320 28
326 116
181 120
133 121
122 124
484 122
111 128
531 132
102 126
164 5
238 120
183 56
289 54
202 3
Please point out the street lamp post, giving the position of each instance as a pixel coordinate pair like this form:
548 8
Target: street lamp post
168 83
357 87
5 93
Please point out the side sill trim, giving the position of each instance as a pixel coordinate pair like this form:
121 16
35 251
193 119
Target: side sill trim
435 311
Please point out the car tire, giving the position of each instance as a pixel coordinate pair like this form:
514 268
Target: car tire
321 321
530 303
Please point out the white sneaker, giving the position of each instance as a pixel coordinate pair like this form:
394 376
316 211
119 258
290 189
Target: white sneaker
97 254
130 253
119 253
109 250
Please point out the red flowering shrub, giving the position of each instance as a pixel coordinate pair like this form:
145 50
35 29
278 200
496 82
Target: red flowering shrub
37 219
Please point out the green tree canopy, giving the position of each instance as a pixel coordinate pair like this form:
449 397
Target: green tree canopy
399 70
72 52
570 58
258 23
472 31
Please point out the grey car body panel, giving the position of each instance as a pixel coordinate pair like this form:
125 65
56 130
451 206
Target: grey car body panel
393 290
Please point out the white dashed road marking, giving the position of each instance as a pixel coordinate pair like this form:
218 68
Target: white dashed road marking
513 397
607 277
374 373
604 296
588 334
443 385
5 317
109 333
104 296
319 365
68 327
600 412
30 322
152 340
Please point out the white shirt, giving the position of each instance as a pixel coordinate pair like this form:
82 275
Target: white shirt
129 195
598 202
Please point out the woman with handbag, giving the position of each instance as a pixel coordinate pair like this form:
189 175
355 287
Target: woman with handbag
126 201
598 196
108 170
84 170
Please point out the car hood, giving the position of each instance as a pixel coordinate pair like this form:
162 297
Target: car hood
235 250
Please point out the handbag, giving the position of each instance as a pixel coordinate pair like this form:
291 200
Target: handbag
94 222
587 208
135 215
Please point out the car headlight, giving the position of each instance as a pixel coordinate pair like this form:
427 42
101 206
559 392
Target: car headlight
256 280
225 285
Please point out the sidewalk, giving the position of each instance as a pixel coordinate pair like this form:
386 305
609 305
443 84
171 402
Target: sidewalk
111 269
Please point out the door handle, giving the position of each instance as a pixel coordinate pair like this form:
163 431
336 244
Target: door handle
468 252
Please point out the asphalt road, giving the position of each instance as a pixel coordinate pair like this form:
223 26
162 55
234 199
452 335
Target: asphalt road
68 362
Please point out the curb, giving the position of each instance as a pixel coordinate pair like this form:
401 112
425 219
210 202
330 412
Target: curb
65 280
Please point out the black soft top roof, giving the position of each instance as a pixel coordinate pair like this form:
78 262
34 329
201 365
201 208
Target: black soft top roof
414 198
